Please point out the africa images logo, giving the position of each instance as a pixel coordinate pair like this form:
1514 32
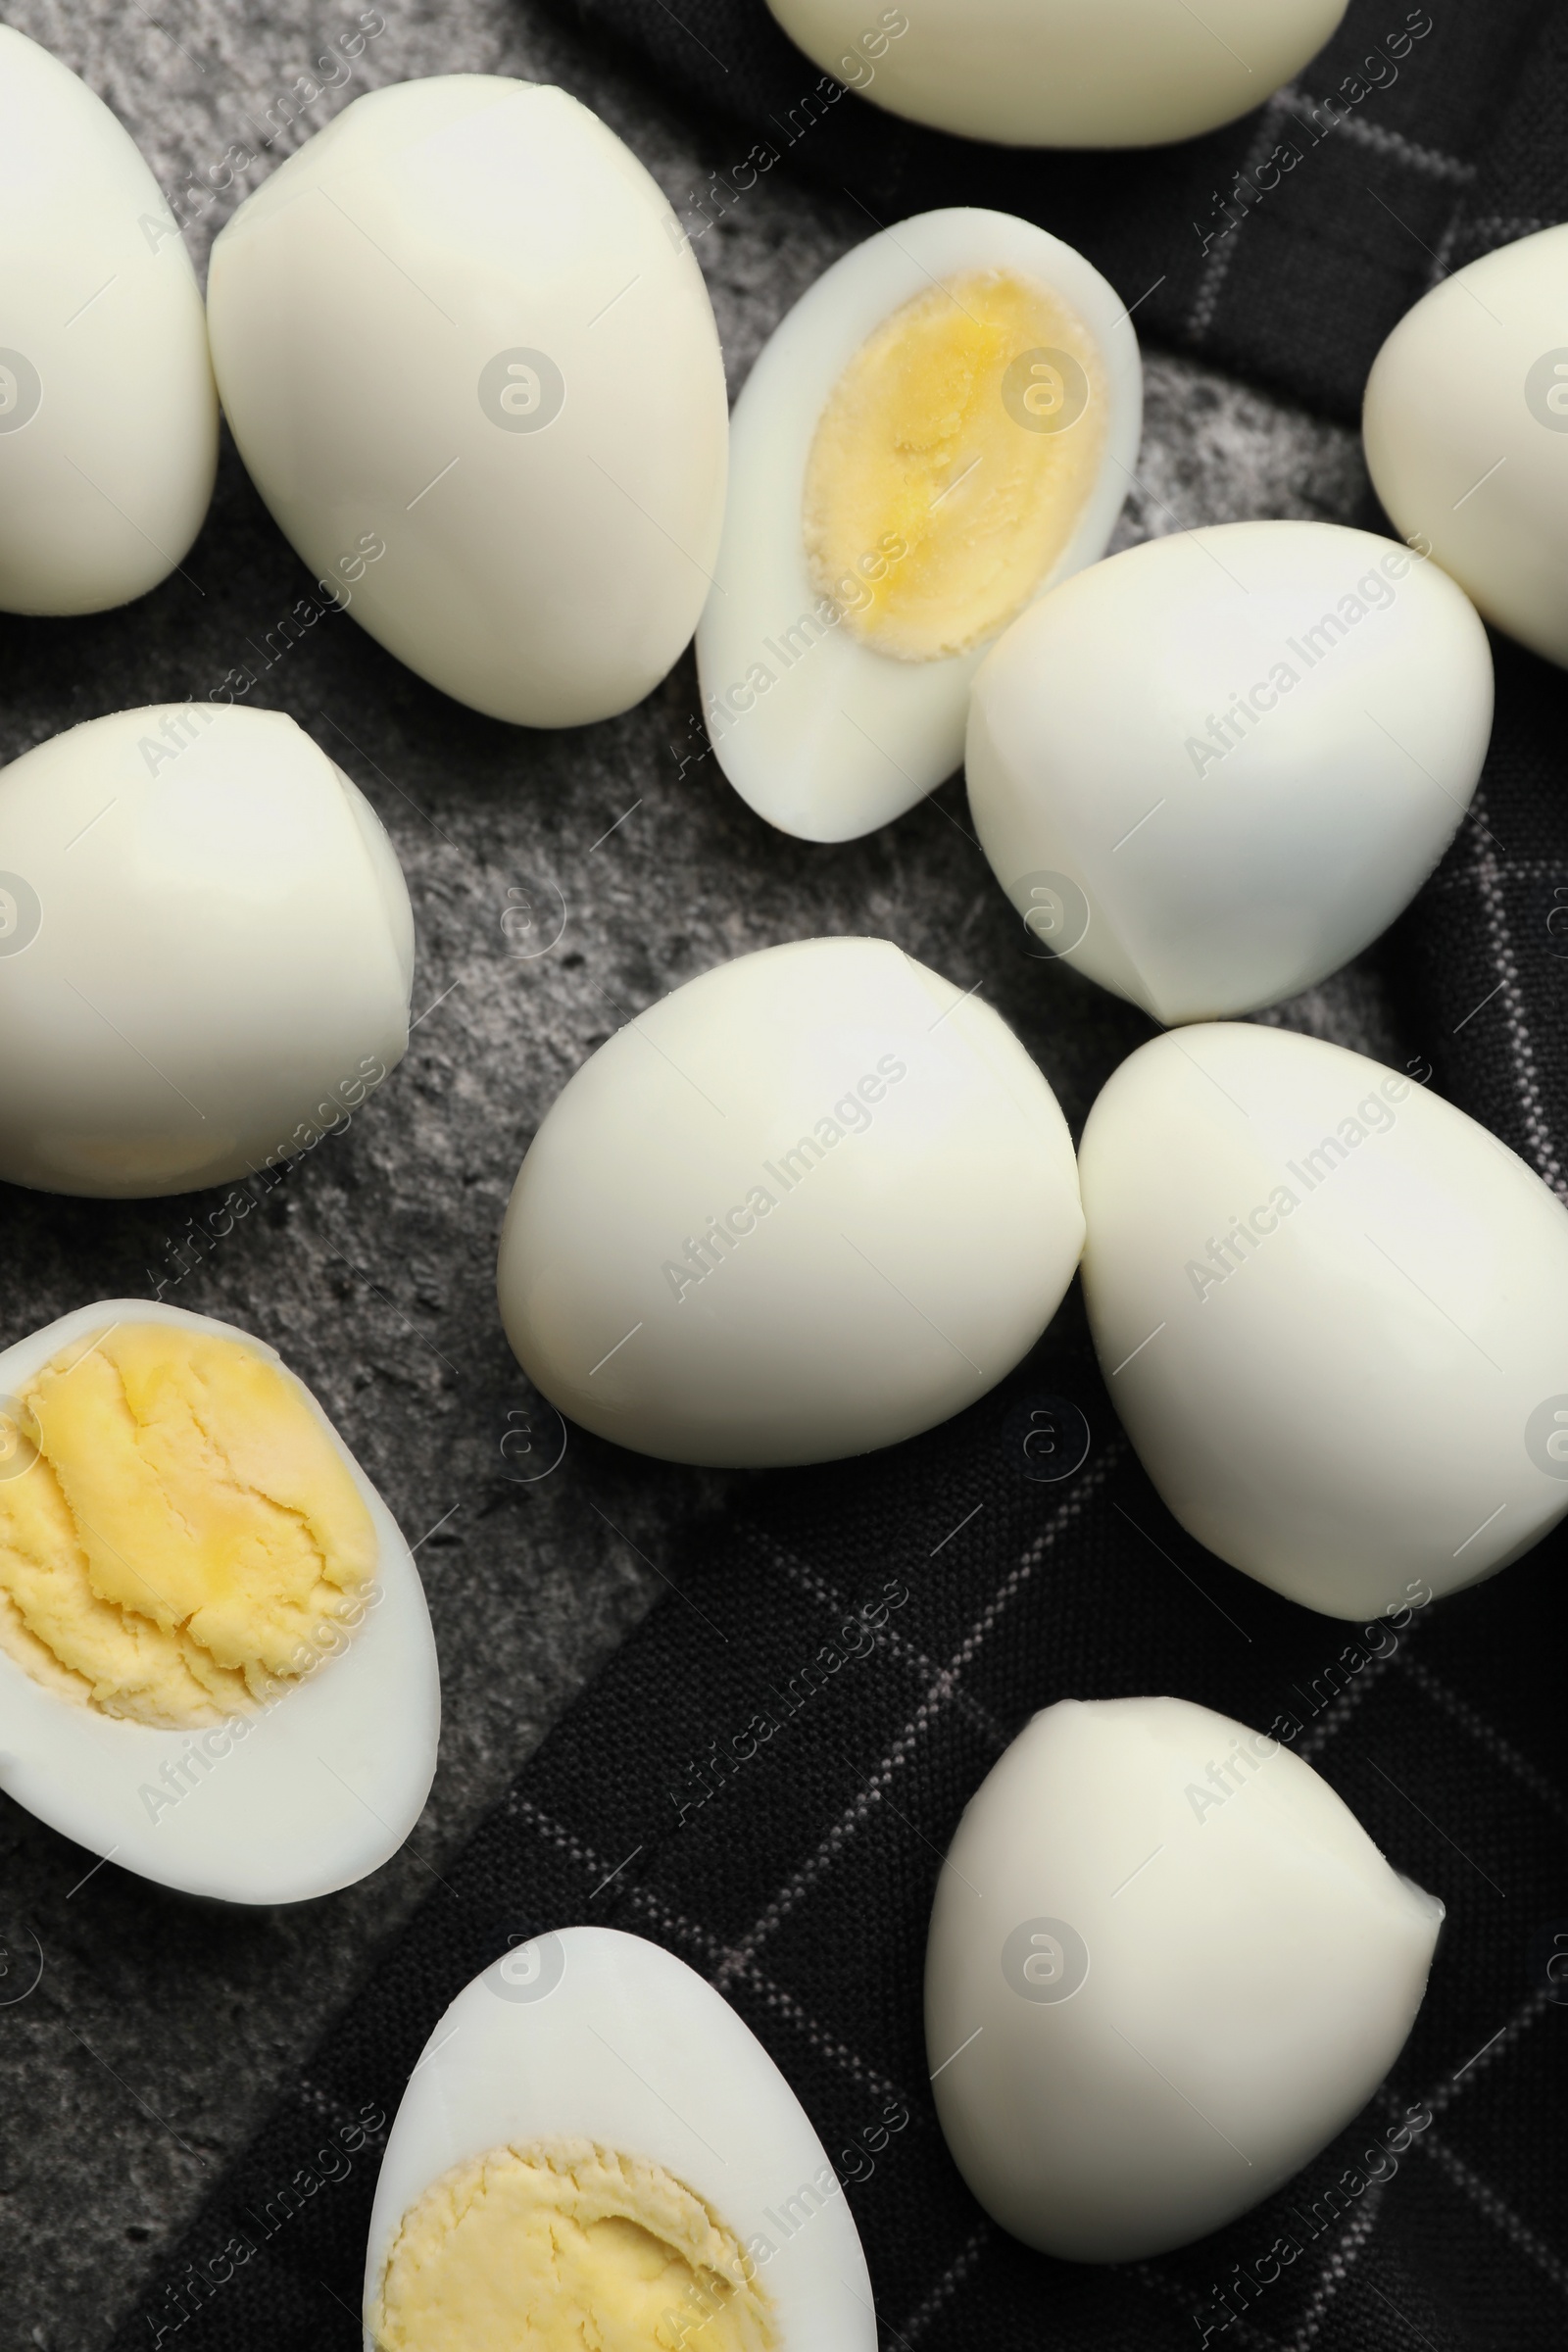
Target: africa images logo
20 914
1545 390
1045 1960
527 1972
20 391
521 390
19 1438
1547 1437
1044 391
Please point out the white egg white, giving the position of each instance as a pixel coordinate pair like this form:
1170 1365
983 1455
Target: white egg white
325 1783
814 1201
841 738
471 365
206 950
1167 1966
1242 749
1466 430
1333 1314
1063 73
590 2034
107 415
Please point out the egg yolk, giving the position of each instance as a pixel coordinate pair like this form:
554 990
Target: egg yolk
557 2246
177 1530
951 463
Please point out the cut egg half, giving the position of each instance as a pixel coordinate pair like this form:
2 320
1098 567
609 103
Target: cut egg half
595 2149
217 1667
941 429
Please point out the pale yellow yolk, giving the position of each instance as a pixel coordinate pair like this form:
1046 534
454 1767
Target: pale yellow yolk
951 464
181 1530
566 2248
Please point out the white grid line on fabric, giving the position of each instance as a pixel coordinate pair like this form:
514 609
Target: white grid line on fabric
1488 231
1507 869
327 2103
1337 2265
1448 2092
1360 2229
797 1888
1393 144
946 2286
1430 160
1116 1450
1438 269
1485 2199
773 1996
1521 1051
789 1564
1332 2268
1338 1714
939 1692
1444 2096
1499 1749
1217 262
699 1940
1237 2332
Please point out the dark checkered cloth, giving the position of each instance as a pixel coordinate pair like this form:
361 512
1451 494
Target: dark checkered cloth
799 1878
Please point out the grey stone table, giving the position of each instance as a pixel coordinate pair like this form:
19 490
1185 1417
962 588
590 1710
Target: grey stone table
152 2044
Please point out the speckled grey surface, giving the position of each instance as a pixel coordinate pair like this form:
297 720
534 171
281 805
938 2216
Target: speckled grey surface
150 2047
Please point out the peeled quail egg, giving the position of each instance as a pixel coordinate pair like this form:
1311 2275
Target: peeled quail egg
594 2149
215 1662
1466 430
1065 72
206 950
941 429
808 1205
1167 1966
462 322
1332 1312
108 417
1210 770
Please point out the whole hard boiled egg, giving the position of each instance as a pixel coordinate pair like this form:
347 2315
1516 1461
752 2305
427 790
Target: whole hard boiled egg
108 417
1210 770
462 322
810 1204
206 950
1332 1311
594 2149
1466 430
1065 72
216 1661
943 427
1166 1967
